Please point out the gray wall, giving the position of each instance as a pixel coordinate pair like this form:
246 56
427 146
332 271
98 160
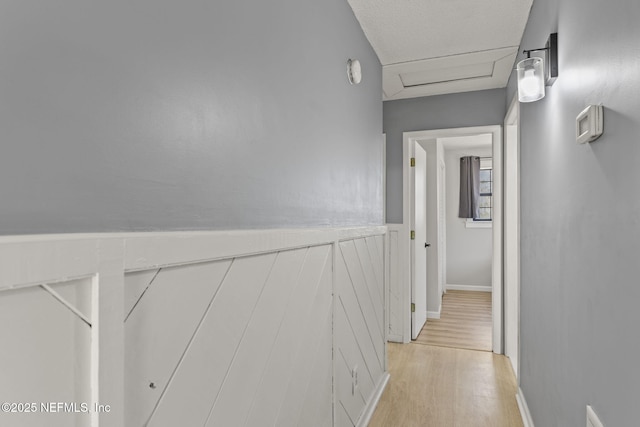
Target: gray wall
481 108
580 205
469 250
172 115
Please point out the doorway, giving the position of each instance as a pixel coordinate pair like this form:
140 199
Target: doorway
429 139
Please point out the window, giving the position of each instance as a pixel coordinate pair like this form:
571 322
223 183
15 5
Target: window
485 210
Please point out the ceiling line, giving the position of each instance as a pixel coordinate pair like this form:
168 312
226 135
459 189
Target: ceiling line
449 56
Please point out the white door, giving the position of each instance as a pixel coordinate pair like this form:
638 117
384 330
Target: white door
419 250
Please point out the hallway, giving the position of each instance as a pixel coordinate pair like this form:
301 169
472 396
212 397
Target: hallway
207 212
465 322
449 377
447 387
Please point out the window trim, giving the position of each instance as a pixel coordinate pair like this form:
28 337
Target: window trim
485 163
471 223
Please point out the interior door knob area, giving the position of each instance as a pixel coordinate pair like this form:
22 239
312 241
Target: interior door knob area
426 245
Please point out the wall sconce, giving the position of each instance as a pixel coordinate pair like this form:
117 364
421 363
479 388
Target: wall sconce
535 73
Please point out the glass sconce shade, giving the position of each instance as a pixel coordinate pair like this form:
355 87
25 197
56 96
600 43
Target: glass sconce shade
530 79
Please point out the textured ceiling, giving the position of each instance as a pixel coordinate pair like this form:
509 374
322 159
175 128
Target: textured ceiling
406 31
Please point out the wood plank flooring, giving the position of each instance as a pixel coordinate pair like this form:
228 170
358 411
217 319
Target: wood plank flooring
447 387
433 383
465 322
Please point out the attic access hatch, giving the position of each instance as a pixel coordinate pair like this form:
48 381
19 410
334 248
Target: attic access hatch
452 74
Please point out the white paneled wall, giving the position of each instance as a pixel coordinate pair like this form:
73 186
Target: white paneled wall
264 328
360 330
398 289
45 354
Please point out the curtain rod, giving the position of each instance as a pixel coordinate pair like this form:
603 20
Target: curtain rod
489 157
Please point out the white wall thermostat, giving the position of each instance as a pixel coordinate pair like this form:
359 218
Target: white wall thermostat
589 124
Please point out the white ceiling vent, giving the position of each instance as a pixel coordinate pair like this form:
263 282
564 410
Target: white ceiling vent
451 74
445 75
436 47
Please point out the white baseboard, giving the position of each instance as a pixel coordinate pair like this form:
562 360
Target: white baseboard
434 314
373 402
524 409
478 288
395 338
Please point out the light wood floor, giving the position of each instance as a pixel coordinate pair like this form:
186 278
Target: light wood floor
465 322
447 387
434 384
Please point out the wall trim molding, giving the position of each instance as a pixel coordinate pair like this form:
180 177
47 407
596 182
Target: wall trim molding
434 314
395 338
524 409
478 288
162 249
373 401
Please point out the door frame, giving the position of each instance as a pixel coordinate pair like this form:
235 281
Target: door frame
441 207
408 139
512 235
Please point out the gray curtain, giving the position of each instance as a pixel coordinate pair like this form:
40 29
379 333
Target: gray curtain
469 186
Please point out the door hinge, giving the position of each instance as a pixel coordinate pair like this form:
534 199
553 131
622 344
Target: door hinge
413 234
413 308
413 162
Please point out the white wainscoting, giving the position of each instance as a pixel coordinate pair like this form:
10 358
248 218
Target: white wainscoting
242 328
360 325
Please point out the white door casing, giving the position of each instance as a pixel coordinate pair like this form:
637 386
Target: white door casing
442 230
512 235
409 140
